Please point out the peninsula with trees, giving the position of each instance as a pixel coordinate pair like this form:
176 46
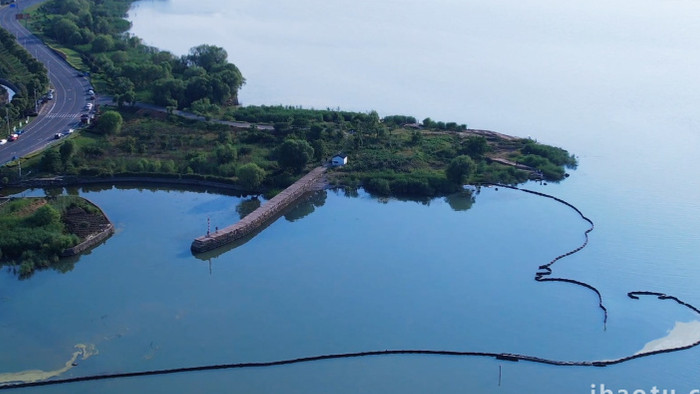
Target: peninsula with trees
390 155
142 134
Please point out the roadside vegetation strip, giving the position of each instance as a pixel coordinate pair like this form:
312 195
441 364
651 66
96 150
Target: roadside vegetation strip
23 74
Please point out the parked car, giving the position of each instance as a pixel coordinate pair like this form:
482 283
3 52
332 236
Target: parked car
57 136
14 137
3 142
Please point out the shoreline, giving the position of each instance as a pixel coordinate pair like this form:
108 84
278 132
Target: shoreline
94 239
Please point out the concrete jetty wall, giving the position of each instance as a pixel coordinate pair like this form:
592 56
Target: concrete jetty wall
93 239
90 242
249 224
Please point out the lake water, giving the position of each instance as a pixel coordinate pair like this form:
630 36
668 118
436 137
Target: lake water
615 84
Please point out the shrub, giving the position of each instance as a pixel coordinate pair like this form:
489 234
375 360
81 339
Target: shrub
377 186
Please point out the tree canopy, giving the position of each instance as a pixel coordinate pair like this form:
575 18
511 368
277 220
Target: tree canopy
251 176
460 169
109 122
294 154
98 30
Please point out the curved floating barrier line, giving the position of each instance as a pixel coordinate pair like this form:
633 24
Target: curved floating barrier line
546 270
542 275
376 353
635 296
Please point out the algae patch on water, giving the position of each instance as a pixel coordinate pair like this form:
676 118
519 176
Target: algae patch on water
83 351
682 335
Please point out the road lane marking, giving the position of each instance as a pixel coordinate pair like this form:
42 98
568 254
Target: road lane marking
63 115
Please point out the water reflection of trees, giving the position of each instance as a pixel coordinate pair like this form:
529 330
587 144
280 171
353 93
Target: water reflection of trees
307 206
63 265
461 201
246 207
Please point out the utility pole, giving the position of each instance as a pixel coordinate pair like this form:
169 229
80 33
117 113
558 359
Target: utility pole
7 119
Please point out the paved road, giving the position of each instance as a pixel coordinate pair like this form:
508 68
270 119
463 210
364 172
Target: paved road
59 114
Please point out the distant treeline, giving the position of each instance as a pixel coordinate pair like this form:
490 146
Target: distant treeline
387 156
302 117
203 80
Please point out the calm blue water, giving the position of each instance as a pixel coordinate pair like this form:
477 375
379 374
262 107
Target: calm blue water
615 84
356 274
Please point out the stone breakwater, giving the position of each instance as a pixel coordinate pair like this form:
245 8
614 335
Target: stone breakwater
261 216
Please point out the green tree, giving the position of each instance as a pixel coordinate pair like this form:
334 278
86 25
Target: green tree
102 43
320 149
225 153
167 89
66 31
72 6
208 57
128 97
109 123
67 150
416 137
45 215
198 88
475 146
251 176
294 154
460 169
51 162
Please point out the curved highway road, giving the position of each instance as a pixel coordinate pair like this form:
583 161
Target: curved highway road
57 115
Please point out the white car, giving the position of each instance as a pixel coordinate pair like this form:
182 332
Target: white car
3 142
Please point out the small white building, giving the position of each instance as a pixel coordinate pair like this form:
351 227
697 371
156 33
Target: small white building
339 160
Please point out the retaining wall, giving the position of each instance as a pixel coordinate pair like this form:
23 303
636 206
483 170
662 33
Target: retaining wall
93 239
